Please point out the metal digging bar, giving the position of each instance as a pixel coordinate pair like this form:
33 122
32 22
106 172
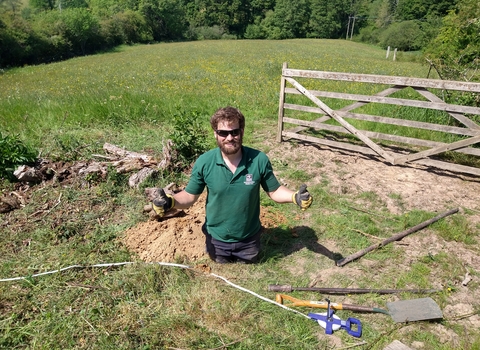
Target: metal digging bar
396 237
343 291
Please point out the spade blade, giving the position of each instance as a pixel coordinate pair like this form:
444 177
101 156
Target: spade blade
414 310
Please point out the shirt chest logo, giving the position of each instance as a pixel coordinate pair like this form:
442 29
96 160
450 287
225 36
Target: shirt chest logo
249 180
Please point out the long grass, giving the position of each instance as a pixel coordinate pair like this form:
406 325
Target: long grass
69 109
111 96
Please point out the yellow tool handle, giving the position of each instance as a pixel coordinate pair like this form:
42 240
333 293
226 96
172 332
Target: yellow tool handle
310 303
323 305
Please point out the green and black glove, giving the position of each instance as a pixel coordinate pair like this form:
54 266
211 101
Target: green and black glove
302 198
163 203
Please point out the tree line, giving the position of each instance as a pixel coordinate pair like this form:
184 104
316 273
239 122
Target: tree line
41 31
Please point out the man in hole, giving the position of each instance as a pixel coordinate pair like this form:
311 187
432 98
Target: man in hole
233 175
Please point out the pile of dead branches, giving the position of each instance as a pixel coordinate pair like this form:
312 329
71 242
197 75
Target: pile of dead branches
123 161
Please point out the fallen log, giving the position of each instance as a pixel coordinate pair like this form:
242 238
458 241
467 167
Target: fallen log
136 179
396 237
112 149
26 173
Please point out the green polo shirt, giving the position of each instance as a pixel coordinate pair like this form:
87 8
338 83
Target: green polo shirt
233 200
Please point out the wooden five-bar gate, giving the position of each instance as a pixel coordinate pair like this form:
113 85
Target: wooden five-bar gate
466 129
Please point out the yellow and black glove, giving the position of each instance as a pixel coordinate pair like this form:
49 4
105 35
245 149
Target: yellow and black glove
163 203
302 198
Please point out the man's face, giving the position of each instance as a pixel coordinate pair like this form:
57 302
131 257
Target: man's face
229 137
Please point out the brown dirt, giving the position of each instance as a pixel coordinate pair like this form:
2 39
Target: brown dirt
179 237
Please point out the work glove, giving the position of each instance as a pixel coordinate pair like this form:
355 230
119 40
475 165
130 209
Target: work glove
162 203
302 198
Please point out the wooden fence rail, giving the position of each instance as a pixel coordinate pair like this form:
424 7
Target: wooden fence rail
463 117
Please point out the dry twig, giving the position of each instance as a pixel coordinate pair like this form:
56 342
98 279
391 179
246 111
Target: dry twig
364 233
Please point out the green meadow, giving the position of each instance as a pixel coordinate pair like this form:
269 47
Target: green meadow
131 97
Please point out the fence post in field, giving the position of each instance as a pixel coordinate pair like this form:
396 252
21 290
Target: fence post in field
388 51
395 54
353 25
280 104
348 27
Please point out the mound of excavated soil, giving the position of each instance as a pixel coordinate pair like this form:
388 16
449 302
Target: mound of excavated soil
177 237
170 238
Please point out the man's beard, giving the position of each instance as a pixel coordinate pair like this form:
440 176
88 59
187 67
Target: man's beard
237 144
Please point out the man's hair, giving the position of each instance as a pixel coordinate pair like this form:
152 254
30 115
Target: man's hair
228 115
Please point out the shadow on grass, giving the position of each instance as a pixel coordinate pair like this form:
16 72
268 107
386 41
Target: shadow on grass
279 242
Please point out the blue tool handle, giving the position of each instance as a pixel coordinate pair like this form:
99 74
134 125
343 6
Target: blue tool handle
356 333
328 321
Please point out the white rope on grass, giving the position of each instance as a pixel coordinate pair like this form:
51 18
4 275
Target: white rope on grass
258 295
63 269
159 263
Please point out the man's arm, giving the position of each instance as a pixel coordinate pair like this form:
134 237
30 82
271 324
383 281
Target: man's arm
281 195
301 198
183 199
164 202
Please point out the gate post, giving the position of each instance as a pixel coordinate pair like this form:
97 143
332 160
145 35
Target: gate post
280 104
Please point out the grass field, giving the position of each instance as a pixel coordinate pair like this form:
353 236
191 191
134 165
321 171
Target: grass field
129 97
115 95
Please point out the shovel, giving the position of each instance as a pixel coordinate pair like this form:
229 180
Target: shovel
400 311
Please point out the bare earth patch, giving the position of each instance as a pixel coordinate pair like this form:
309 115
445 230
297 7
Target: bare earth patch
178 237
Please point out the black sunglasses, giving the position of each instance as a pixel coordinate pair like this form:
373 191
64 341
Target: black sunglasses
225 133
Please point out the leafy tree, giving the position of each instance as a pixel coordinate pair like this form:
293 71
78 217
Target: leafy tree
419 9
166 18
255 30
127 27
411 9
11 6
48 25
289 20
327 18
78 26
269 26
383 12
405 36
44 5
231 15
454 52
384 17
259 8
19 43
108 8
189 139
64 4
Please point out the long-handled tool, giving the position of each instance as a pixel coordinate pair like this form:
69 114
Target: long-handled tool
286 288
280 298
396 237
400 311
